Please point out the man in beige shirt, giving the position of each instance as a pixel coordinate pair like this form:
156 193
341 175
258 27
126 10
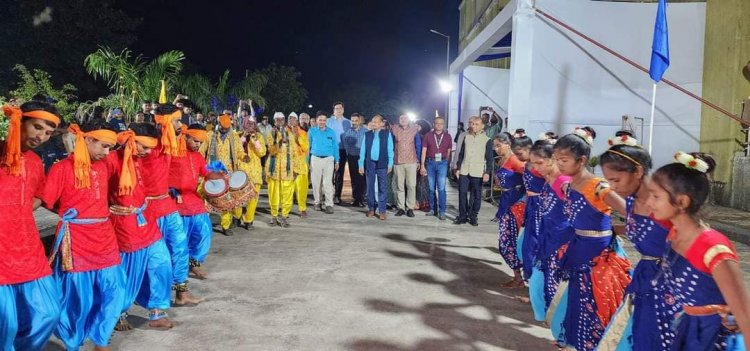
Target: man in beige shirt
472 167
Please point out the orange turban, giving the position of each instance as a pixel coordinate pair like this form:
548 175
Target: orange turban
12 157
197 134
168 135
128 176
225 121
81 157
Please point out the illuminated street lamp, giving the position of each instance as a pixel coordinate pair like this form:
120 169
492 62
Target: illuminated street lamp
445 86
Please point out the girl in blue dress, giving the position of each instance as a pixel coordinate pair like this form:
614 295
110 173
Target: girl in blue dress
596 275
644 321
510 207
533 183
701 264
554 229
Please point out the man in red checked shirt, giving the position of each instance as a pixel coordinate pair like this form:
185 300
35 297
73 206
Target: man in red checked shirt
145 257
29 296
85 258
184 175
162 206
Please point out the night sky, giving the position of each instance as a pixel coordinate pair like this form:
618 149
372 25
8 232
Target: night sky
383 43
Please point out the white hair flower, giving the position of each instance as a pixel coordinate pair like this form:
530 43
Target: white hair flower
623 140
584 134
691 162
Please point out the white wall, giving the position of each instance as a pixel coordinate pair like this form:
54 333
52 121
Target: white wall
575 83
482 86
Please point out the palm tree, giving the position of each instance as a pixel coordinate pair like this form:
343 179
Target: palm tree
222 94
133 79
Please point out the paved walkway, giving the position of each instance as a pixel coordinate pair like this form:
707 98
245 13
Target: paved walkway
346 282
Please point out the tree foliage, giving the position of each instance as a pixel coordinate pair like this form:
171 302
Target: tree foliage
134 79
37 81
284 91
222 94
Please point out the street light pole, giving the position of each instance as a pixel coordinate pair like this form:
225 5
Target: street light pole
447 65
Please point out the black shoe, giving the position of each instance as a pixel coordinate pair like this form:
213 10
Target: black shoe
400 213
329 210
441 217
473 222
460 221
409 213
336 200
249 226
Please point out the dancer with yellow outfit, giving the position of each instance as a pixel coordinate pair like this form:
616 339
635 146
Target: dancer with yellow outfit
302 181
255 148
283 165
225 146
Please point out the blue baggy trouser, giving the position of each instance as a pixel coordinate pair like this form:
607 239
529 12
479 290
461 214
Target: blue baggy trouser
175 236
29 313
148 274
200 231
91 305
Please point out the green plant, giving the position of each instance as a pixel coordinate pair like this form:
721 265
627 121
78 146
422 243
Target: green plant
38 81
133 79
210 96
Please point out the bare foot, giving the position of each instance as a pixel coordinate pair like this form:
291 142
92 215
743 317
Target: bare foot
199 273
162 323
101 348
522 299
185 298
123 325
513 284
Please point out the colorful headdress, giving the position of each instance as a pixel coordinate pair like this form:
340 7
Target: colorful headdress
12 158
81 157
225 121
691 162
168 134
584 134
127 174
623 140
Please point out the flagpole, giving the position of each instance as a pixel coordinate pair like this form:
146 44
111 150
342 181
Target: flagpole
651 122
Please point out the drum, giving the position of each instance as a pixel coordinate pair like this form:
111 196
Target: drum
229 192
237 180
240 187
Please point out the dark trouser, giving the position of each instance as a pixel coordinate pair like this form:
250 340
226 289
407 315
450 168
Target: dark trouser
469 196
376 175
338 176
359 184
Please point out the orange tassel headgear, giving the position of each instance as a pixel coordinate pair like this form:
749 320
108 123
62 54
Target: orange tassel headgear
169 140
198 134
12 157
81 157
128 176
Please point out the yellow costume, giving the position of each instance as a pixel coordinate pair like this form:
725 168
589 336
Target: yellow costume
303 178
227 149
256 148
284 163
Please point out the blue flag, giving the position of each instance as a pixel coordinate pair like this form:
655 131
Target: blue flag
660 47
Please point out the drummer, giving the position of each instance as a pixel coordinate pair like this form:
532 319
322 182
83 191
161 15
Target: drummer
226 146
185 174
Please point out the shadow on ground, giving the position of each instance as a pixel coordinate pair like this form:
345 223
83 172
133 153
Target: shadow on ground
490 317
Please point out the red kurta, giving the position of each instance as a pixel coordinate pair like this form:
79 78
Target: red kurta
94 246
156 181
21 253
183 176
130 237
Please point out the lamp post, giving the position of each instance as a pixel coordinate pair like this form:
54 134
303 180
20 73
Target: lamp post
447 65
